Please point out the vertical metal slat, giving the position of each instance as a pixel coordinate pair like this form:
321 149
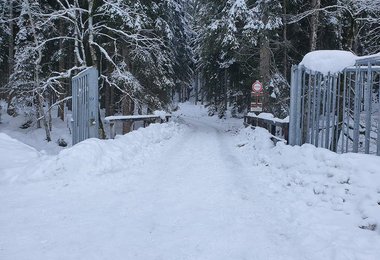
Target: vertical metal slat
333 111
320 78
344 109
367 107
357 106
328 112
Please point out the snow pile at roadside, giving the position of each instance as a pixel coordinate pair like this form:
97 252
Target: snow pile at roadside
101 156
333 200
15 157
326 61
92 156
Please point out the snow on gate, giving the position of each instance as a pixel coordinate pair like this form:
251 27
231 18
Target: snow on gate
335 102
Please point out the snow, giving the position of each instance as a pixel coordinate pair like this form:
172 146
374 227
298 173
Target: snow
195 188
35 137
332 61
162 114
329 61
269 116
158 114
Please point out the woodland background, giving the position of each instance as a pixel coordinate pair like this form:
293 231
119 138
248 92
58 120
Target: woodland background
151 54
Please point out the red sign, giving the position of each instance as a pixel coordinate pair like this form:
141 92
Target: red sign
257 86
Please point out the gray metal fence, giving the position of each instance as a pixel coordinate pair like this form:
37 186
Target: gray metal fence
85 105
340 112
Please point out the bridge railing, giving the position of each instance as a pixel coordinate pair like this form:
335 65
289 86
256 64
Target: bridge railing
277 127
146 119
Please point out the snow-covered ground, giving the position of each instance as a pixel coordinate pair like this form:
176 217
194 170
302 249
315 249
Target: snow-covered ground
196 188
32 135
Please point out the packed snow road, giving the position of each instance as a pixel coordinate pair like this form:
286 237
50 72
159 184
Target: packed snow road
200 188
200 207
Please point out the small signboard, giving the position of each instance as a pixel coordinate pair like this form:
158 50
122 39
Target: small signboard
257 87
257 96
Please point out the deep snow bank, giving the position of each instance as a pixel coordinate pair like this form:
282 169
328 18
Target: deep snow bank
92 156
16 158
10 146
328 196
100 156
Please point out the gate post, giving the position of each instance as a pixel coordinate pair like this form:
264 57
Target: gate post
293 105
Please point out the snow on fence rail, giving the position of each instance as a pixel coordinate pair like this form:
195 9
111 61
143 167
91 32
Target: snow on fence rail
134 118
268 121
338 109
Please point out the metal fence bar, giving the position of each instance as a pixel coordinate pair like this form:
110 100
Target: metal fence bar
308 110
303 109
367 107
299 108
328 111
344 109
314 110
293 106
333 111
320 78
349 110
357 106
324 104
337 117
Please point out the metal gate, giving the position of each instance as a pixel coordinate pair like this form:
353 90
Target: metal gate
85 105
340 112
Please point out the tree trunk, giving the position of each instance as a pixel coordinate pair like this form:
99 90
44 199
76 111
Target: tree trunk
351 35
38 115
265 55
314 24
285 39
127 110
91 34
196 88
225 88
201 84
61 67
50 119
11 40
40 96
42 113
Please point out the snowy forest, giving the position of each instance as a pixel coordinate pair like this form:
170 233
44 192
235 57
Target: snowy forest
150 53
137 129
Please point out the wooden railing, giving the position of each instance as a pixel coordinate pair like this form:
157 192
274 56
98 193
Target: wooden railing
271 124
146 119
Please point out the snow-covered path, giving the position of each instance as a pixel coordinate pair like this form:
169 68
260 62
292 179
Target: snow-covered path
200 189
192 199
200 205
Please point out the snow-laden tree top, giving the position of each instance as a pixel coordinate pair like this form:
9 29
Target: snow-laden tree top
331 61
